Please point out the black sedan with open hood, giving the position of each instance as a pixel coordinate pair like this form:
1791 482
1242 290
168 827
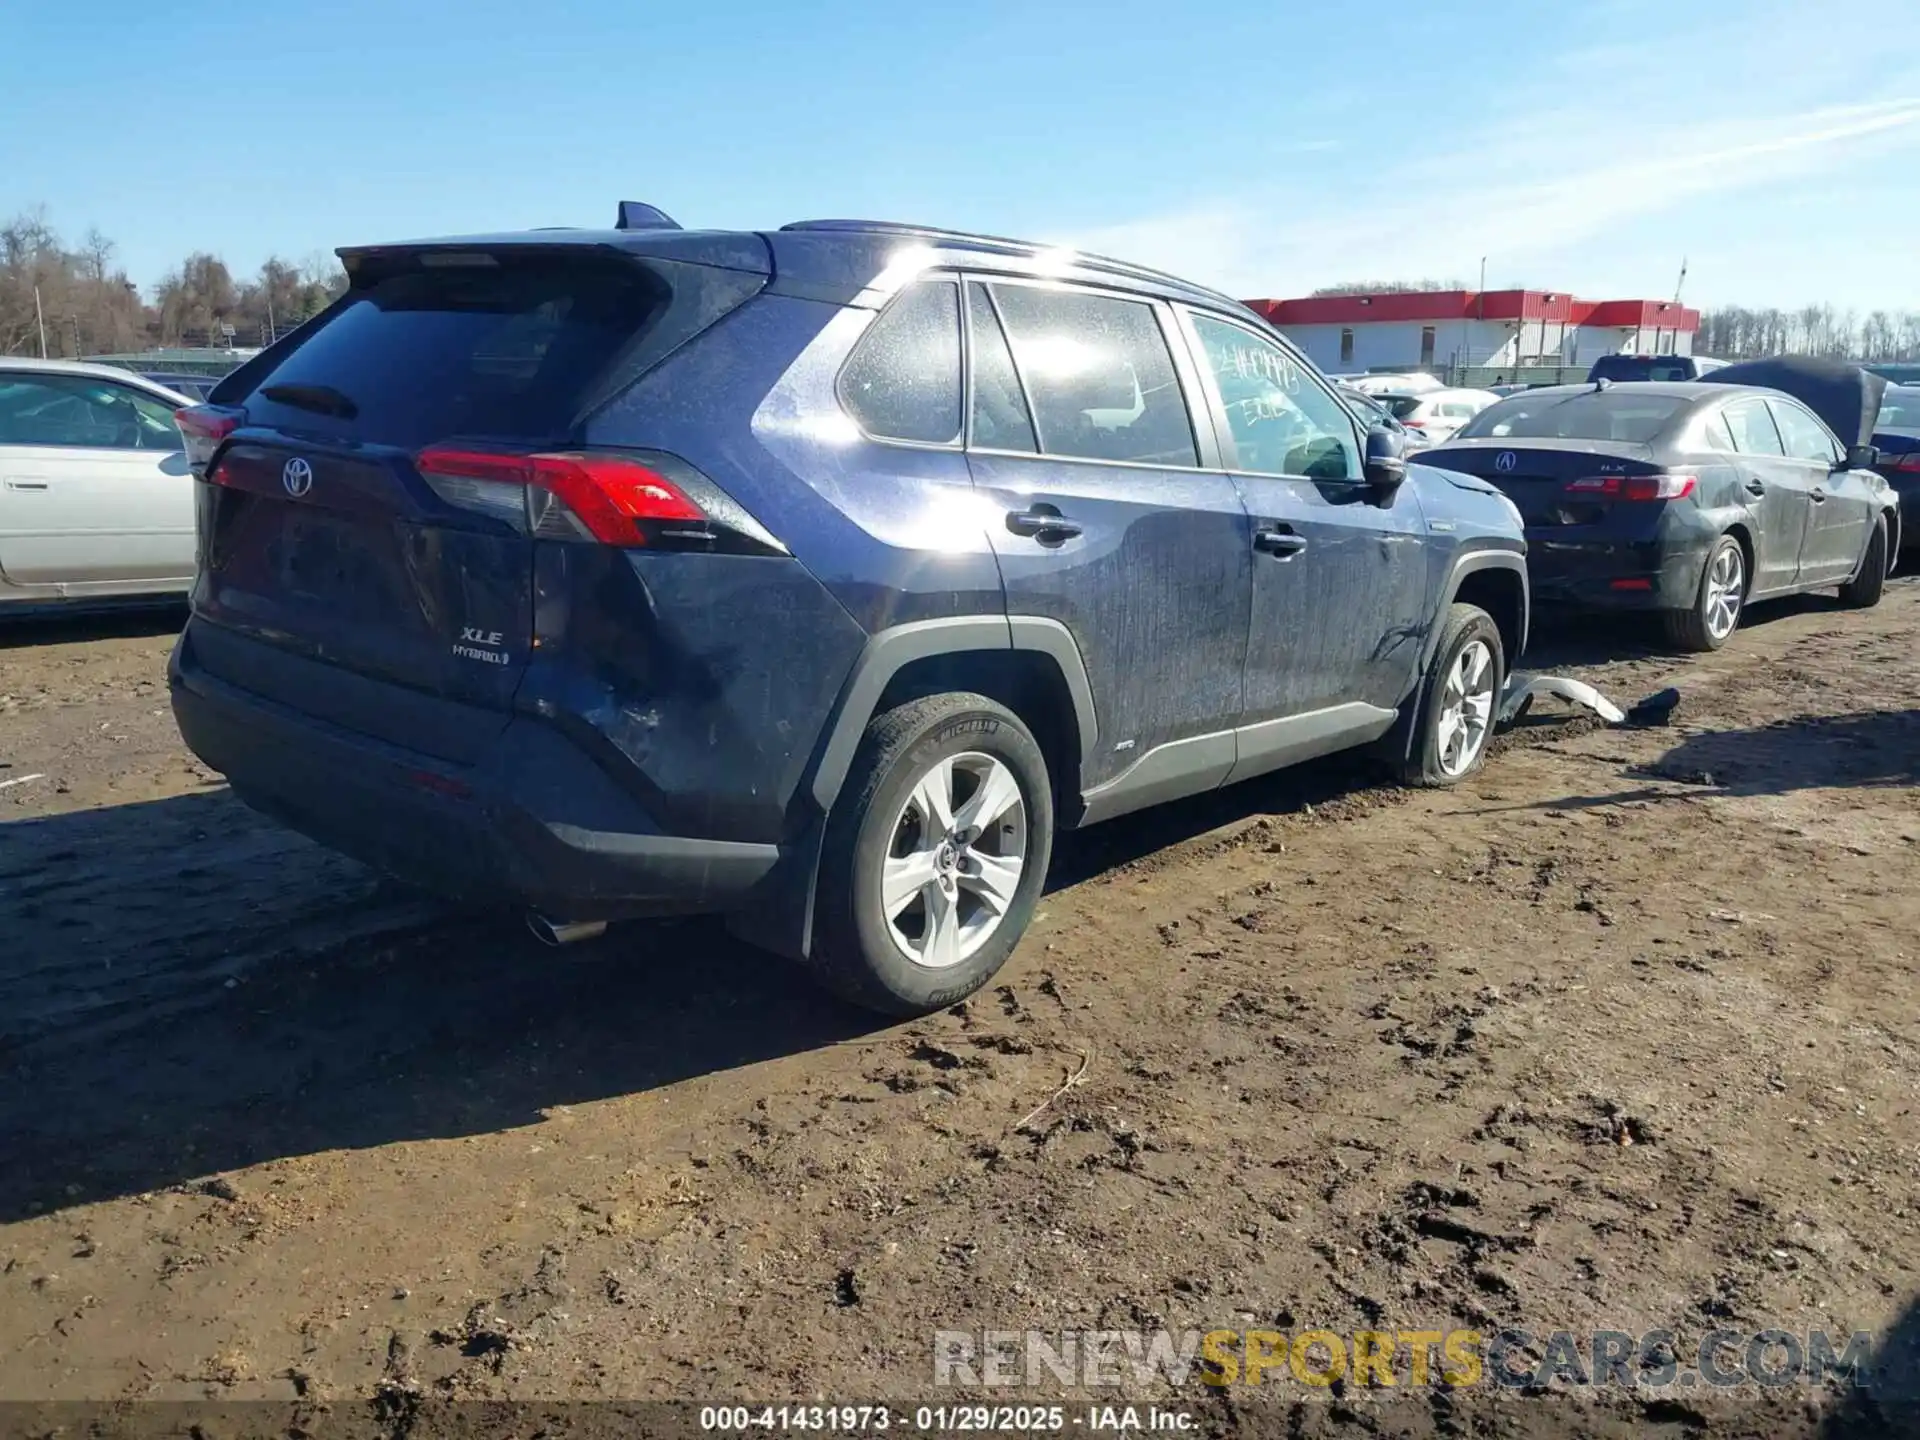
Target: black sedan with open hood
1692 499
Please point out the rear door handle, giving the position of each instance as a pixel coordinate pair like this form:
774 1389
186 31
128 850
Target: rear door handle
1042 523
1755 487
26 484
1282 543
1819 496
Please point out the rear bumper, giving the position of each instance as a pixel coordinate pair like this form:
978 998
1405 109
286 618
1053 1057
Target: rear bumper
1611 574
532 823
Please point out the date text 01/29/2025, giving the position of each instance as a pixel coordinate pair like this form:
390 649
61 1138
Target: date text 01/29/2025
942 1419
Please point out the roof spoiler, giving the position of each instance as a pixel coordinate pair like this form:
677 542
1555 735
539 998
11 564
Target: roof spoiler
637 215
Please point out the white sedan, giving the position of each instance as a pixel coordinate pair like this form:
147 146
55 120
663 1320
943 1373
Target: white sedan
96 501
1434 415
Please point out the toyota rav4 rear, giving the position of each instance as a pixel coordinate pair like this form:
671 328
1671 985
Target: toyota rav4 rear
452 619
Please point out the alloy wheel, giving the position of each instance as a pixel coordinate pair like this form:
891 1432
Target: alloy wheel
959 849
1726 588
1466 708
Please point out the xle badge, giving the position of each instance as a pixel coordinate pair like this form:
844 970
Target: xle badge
481 645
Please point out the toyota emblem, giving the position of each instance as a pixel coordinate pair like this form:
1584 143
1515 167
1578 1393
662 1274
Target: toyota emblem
297 476
1504 462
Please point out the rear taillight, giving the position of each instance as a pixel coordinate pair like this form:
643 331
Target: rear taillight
607 498
203 428
1634 487
1909 462
1414 424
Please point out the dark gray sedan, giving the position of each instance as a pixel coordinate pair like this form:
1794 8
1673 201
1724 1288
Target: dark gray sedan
1691 499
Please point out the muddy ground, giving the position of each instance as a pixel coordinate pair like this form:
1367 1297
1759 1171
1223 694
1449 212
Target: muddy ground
1622 1034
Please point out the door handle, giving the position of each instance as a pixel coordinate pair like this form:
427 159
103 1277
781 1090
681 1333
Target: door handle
1819 496
26 484
1042 523
1755 487
1281 543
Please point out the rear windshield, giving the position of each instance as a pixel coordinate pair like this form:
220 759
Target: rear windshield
1403 405
507 351
1624 415
1900 409
1642 367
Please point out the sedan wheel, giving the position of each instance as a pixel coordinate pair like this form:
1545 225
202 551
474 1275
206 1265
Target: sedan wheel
1725 590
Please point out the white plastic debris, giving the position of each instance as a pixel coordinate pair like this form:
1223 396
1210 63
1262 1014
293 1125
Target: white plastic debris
1523 685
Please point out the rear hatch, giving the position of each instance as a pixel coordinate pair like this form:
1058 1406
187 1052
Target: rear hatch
334 530
1559 483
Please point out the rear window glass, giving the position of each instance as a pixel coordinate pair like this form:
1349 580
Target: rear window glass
1642 367
506 352
1631 417
1403 405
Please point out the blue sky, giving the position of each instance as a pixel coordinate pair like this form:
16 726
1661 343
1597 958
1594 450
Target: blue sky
1262 147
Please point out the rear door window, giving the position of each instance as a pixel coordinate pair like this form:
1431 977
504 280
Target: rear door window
495 349
1753 429
1001 420
1804 437
1099 374
902 381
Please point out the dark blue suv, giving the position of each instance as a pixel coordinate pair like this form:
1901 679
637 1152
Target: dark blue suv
814 576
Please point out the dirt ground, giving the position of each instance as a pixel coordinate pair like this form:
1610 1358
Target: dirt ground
1622 1034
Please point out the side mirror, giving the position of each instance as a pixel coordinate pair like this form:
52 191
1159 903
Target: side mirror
1386 464
1862 457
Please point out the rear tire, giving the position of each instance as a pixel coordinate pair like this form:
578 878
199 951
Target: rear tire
1864 590
1460 702
1717 604
935 855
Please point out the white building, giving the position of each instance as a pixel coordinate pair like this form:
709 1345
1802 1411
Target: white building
1440 329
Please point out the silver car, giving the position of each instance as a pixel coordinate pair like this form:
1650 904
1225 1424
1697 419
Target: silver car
96 501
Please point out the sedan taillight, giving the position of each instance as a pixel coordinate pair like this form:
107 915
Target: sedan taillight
1634 487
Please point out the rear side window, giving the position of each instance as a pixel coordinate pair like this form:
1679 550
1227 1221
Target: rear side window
1753 428
902 381
1804 437
1628 416
1719 435
503 351
1000 418
1100 376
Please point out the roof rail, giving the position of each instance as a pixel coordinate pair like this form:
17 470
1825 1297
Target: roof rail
934 232
637 215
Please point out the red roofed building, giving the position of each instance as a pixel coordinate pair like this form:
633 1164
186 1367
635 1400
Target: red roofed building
1440 329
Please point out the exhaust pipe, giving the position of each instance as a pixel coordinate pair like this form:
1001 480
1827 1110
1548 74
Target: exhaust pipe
564 932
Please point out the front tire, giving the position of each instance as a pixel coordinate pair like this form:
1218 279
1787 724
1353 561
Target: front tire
1864 590
1715 613
1462 696
935 855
